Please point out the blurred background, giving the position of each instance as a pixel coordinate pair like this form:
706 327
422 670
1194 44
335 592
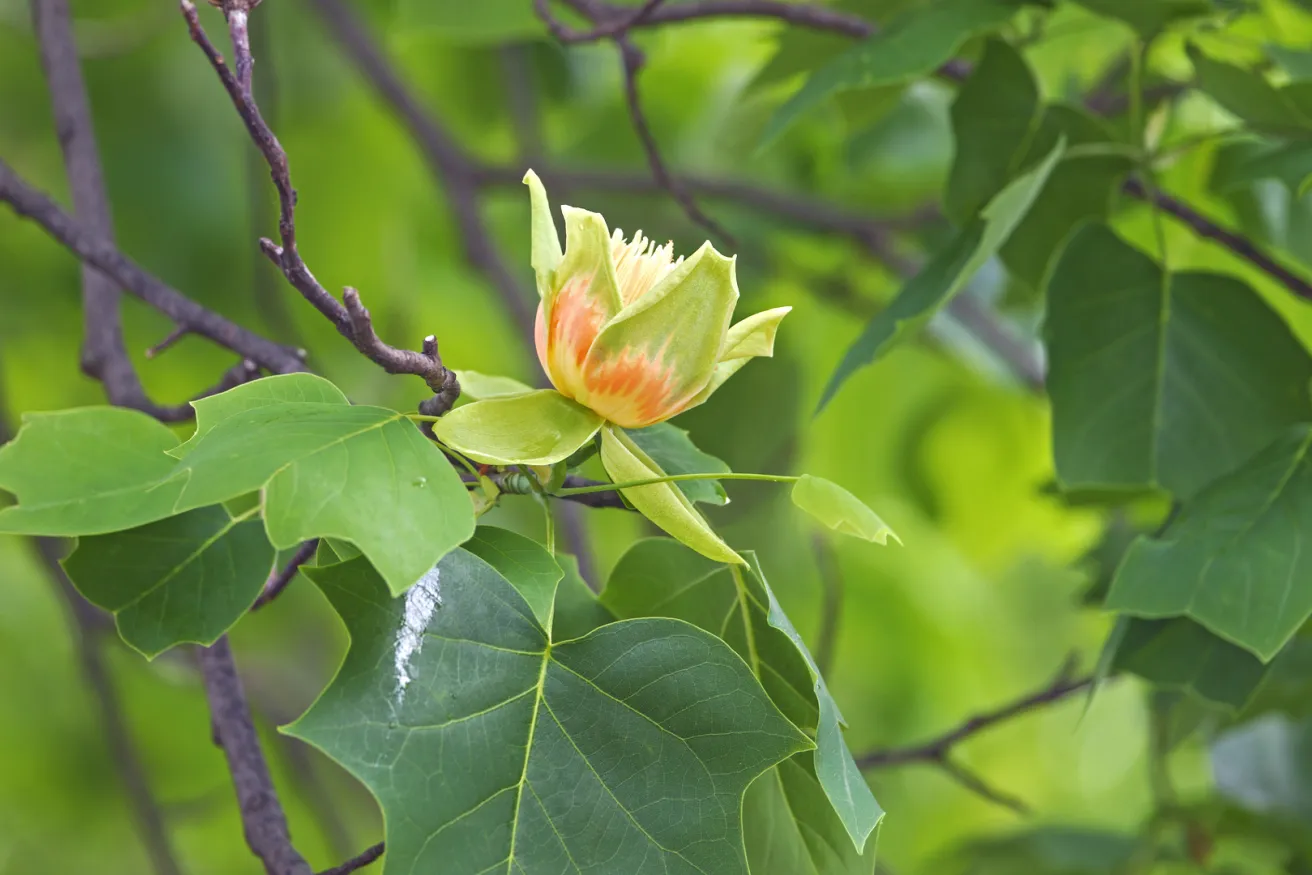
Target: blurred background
981 605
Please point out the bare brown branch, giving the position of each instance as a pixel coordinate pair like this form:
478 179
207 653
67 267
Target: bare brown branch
279 579
358 862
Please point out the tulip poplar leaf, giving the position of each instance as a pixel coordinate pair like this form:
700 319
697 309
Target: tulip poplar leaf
658 577
278 389
1234 560
1180 654
946 273
673 451
626 750
527 567
840 510
1162 380
187 578
480 387
541 428
913 44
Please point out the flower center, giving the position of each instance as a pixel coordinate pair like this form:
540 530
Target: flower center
640 264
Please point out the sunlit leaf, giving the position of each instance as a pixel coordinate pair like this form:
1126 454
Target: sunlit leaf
839 509
627 750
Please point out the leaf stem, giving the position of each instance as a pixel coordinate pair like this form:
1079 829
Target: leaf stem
673 478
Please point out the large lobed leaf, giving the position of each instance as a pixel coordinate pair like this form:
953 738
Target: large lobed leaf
325 468
1162 380
658 577
494 747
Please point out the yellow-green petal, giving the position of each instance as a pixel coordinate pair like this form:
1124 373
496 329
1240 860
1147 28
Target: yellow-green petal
540 428
662 503
588 256
546 254
754 336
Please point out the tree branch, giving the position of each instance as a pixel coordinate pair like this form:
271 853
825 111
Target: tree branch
263 820
30 203
279 579
358 862
448 163
938 751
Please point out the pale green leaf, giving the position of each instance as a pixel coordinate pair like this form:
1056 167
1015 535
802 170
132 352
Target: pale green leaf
839 509
1234 559
481 387
278 389
187 578
540 428
632 746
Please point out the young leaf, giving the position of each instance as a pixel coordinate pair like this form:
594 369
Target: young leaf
1234 560
187 578
661 503
363 474
918 42
658 577
1180 654
632 746
945 273
839 509
540 428
674 452
482 387
88 471
1159 381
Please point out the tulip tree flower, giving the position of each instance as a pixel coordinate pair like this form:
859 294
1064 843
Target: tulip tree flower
629 336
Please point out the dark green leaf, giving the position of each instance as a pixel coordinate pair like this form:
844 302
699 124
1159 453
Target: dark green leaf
660 578
1162 384
915 43
1149 17
790 827
994 119
577 610
672 449
1233 559
187 578
87 472
524 564
1296 62
1239 165
628 750
1049 850
1180 654
944 275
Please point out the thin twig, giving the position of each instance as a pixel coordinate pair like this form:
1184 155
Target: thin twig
279 579
30 203
263 820
446 160
357 862
939 751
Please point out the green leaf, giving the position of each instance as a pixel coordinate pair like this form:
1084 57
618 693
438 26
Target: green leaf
661 503
1048 850
363 474
627 750
187 578
1296 62
1156 383
914 44
672 449
577 610
944 275
1239 165
481 387
1180 654
1149 17
1248 95
87 472
524 564
658 577
278 389
840 510
1234 558
994 118
540 428
790 827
